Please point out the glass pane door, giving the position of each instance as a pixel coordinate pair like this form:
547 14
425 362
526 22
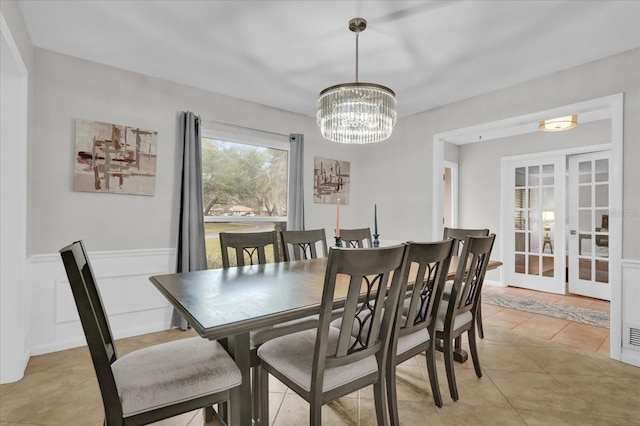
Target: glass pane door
589 224
537 227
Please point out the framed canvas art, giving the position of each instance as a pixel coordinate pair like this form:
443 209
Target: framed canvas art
113 158
331 181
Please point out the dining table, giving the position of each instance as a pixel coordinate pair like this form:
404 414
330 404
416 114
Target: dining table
229 303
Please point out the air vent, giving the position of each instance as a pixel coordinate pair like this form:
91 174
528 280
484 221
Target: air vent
632 336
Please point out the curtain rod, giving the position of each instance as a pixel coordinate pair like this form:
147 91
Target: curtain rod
243 127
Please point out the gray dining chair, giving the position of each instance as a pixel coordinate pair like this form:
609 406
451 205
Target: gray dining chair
251 248
356 237
326 363
414 333
299 245
146 385
458 235
457 315
248 248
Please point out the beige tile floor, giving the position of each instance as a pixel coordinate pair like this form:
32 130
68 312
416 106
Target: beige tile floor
536 371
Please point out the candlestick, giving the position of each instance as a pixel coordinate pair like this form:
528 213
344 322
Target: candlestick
376 242
338 218
375 218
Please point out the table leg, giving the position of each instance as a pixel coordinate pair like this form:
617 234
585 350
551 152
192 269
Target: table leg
459 354
240 410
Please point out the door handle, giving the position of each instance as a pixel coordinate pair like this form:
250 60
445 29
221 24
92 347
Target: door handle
573 232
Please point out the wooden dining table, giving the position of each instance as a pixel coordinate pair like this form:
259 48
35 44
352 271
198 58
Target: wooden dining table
229 303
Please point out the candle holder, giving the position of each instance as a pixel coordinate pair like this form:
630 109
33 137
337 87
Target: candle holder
338 242
376 243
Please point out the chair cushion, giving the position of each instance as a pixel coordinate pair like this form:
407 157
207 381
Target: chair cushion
172 372
459 321
412 340
258 337
292 355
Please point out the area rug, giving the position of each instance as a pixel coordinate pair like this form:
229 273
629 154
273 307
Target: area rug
566 312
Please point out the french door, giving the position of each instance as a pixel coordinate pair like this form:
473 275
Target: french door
589 225
535 226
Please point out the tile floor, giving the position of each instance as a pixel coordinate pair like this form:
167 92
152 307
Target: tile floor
536 371
588 337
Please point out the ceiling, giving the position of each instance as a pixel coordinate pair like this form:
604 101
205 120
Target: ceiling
283 53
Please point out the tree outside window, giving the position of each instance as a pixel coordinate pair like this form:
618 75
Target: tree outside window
244 190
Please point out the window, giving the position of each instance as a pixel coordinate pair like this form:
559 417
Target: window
245 182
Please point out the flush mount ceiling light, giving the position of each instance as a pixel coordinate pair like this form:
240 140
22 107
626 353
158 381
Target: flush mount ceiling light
558 124
357 112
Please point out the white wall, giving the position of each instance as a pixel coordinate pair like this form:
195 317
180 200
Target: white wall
399 176
14 147
67 88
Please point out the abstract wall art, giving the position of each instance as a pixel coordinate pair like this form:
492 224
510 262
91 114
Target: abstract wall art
113 158
331 181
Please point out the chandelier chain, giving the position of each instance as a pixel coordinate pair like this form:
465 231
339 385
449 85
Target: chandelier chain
357 38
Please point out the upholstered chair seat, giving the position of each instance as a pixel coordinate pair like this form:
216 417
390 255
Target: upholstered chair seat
151 378
292 355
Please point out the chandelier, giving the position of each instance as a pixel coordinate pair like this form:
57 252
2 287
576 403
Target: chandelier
356 113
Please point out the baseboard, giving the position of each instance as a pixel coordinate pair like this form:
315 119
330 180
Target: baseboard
630 357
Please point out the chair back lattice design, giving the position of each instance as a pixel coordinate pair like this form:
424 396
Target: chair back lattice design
249 247
467 284
427 268
303 244
95 325
371 278
355 238
459 234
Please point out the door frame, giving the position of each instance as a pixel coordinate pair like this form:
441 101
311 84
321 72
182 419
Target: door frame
611 107
454 191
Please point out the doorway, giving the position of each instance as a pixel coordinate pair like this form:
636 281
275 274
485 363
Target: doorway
607 107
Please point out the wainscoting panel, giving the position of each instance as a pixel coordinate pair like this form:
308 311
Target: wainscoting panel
133 304
630 312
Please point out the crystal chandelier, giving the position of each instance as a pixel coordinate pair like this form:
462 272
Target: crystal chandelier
357 112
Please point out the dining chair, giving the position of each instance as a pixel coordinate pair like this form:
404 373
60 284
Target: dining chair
249 247
356 238
326 363
414 333
153 383
298 245
458 235
457 315
252 246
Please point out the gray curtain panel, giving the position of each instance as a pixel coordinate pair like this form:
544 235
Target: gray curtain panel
192 255
295 209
